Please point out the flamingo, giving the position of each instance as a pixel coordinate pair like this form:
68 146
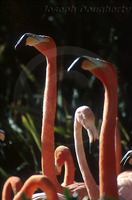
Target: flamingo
2 135
106 73
127 158
124 179
63 157
63 154
85 117
47 47
14 184
34 182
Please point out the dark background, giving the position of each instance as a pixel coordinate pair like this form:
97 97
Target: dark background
103 28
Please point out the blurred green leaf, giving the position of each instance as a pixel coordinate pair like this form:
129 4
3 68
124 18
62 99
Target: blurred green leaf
124 131
4 173
29 125
62 131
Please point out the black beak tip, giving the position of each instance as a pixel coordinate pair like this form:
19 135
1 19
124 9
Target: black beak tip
125 160
93 146
21 42
76 64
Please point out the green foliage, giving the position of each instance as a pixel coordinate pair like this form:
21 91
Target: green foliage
24 197
109 198
68 197
29 125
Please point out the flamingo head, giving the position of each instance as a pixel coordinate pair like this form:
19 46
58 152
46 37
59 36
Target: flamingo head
2 135
102 69
127 159
59 159
41 42
87 63
61 153
85 117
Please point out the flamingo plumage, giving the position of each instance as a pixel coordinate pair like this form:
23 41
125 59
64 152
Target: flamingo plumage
34 182
106 73
14 184
85 117
124 179
64 157
47 47
2 135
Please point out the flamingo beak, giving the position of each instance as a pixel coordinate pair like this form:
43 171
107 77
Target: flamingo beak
57 168
93 146
127 158
31 40
76 63
93 138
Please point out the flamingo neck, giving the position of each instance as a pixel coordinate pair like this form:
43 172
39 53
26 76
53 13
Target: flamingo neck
34 182
12 184
49 109
69 169
107 163
6 192
89 181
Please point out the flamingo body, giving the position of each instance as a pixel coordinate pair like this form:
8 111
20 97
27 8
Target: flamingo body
124 182
124 179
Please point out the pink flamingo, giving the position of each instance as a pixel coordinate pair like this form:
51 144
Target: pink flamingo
63 154
47 47
63 157
107 164
85 117
14 184
124 179
2 135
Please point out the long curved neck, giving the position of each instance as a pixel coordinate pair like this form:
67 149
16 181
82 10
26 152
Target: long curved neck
89 181
49 109
34 182
12 184
107 163
69 169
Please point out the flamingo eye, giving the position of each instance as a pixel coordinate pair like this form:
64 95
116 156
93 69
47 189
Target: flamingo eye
84 117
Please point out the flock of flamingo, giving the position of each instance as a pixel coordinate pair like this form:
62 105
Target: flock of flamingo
112 183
